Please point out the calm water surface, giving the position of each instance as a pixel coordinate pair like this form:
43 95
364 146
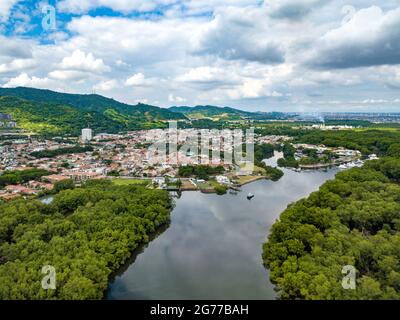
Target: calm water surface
212 248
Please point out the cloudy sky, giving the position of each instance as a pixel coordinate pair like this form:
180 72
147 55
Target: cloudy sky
282 55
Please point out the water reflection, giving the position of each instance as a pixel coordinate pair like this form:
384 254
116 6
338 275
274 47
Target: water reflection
212 249
47 199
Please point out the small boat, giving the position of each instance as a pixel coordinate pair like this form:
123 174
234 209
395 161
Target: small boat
250 196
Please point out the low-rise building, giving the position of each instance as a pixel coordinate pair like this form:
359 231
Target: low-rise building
223 180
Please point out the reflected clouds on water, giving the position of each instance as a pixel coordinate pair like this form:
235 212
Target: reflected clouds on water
212 249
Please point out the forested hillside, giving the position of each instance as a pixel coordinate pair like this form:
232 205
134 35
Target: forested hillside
85 234
352 220
377 141
212 112
45 111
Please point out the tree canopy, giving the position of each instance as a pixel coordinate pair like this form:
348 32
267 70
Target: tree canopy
85 234
352 220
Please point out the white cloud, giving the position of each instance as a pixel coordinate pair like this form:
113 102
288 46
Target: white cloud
229 52
370 38
5 8
68 75
190 7
250 37
17 65
293 9
81 61
137 80
106 85
203 75
83 6
176 99
23 80
15 48
252 89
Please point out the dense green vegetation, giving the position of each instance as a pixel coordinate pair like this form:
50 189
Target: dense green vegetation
352 220
279 130
263 151
206 124
48 112
61 151
63 185
310 157
21 176
212 112
288 160
200 172
266 151
366 141
273 173
85 234
220 189
288 163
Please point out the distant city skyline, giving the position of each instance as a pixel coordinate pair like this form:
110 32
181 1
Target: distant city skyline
287 55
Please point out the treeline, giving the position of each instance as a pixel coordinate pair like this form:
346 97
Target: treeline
85 234
49 113
21 176
266 151
283 130
273 173
367 141
61 151
352 220
200 171
288 160
263 151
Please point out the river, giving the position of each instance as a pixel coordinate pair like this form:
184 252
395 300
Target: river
212 248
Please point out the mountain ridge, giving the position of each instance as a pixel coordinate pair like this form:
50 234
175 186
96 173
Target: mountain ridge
212 112
46 111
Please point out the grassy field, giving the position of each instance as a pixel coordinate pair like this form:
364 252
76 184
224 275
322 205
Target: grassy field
242 180
187 185
126 182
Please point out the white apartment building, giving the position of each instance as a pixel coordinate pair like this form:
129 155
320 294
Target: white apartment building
87 135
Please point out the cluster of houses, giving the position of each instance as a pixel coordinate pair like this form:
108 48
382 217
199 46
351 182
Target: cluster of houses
146 153
343 157
28 189
320 149
274 140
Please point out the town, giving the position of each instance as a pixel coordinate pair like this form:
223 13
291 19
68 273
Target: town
141 157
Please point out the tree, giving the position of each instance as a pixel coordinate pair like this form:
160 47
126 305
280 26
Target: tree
352 220
220 189
64 185
86 234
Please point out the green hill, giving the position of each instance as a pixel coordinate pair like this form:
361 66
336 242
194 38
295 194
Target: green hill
212 112
45 111
227 113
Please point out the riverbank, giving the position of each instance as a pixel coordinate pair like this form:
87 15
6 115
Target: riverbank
188 184
207 234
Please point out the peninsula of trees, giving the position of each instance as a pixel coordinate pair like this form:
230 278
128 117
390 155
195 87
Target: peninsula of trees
85 234
352 220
